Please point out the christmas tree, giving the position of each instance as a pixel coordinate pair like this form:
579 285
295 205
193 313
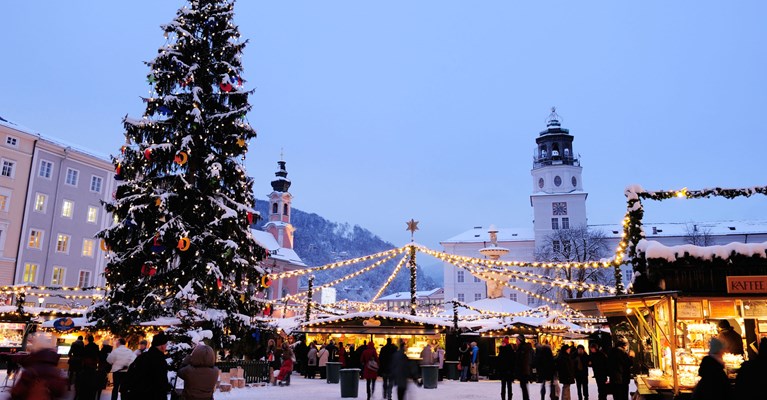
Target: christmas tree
181 244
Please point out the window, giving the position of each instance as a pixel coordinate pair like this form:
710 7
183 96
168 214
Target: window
96 184
460 277
35 239
9 168
565 223
93 214
555 223
62 243
555 246
72 176
5 202
30 273
477 296
41 201
274 208
67 208
284 209
513 296
58 276
566 247
531 301
46 169
11 141
461 297
84 279
87 248
476 279
512 279
559 208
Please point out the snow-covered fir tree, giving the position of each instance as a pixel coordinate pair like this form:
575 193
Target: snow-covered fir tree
181 244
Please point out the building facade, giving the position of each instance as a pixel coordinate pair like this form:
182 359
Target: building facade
558 200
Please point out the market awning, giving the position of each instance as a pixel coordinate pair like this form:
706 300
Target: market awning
376 323
617 305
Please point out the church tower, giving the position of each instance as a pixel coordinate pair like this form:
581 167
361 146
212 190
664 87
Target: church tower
279 209
558 199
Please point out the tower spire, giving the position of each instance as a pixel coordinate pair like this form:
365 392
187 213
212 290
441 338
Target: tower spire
282 183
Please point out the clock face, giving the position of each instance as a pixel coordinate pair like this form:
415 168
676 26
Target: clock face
540 183
558 180
575 182
559 208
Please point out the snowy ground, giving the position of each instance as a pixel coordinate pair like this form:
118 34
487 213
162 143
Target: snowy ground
317 389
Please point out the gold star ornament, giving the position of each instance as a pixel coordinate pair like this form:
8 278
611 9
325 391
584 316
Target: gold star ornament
412 226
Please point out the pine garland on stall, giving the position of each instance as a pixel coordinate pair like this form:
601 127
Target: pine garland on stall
309 295
413 276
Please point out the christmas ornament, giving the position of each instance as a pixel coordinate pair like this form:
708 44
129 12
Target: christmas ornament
148 154
164 110
268 310
123 148
118 172
151 79
104 246
228 253
219 283
181 158
156 245
241 142
184 243
226 86
250 218
148 270
158 202
266 281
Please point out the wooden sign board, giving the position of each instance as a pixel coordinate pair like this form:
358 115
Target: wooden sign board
722 309
747 284
689 310
755 308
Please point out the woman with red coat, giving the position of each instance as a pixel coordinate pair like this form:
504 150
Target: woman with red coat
342 354
369 362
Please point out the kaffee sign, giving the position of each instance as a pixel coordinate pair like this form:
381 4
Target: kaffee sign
747 284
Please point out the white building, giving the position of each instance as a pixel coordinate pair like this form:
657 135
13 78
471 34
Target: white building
559 202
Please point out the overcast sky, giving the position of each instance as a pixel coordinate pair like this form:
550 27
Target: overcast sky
429 109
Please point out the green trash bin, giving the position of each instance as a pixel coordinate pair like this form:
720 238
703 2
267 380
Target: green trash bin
350 382
429 375
451 370
333 369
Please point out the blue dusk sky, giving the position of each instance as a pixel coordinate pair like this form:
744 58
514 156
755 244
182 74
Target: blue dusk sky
429 109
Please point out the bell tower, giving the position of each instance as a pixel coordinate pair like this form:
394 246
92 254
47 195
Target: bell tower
558 199
280 208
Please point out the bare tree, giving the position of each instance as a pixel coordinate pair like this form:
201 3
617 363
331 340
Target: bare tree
698 235
578 244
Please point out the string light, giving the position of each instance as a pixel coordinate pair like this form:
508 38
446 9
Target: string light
390 279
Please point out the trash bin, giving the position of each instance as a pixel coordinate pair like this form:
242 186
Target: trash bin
333 369
350 382
451 370
429 375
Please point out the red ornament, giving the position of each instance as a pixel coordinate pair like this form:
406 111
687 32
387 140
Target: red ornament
250 218
148 153
268 309
118 169
226 86
219 283
148 270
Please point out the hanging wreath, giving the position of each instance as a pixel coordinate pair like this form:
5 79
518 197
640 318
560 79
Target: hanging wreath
104 246
184 244
266 281
181 158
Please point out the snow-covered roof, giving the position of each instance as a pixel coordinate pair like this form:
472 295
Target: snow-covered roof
653 249
267 241
79 322
406 295
10 124
670 229
382 314
532 321
540 194
498 305
480 235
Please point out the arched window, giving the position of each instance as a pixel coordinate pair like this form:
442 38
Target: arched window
543 153
274 208
555 150
567 152
284 209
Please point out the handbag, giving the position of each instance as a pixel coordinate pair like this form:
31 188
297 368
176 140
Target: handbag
459 366
372 365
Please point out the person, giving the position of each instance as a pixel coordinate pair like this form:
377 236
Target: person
522 367
357 356
474 362
402 371
732 341
619 364
505 366
385 367
322 361
369 362
427 357
283 376
581 365
41 379
713 382
342 354
311 361
75 361
147 377
598 362
301 351
544 365
104 367
565 370
199 372
440 361
88 378
751 375
332 350
465 361
141 347
120 358
350 361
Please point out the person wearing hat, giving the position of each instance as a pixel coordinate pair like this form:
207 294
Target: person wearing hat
505 366
148 376
733 342
619 362
713 382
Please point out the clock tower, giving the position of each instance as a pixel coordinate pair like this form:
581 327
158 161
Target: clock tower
280 209
558 199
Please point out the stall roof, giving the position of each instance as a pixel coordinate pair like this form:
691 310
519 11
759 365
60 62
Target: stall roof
371 322
616 305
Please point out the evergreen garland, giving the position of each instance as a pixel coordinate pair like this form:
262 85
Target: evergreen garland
309 295
413 269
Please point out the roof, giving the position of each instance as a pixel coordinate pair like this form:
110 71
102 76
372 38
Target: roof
406 295
480 235
10 124
540 194
670 229
383 315
498 305
55 141
267 241
656 250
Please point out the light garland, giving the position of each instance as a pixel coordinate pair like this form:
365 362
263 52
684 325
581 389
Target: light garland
390 279
522 264
339 264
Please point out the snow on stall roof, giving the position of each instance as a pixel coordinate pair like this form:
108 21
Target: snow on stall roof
385 314
670 229
480 235
656 250
267 241
78 322
406 295
498 305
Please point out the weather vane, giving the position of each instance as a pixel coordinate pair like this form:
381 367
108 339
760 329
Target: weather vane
412 226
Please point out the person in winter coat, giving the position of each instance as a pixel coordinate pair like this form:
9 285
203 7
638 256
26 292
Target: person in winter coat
104 368
439 360
385 367
732 341
427 357
148 377
402 371
357 355
283 376
332 351
474 362
88 378
40 379
75 361
751 375
505 366
713 382
142 345
311 361
120 359
369 361
544 365
619 363
301 350
322 361
465 361
598 362
199 372
565 370
581 364
523 359
342 354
